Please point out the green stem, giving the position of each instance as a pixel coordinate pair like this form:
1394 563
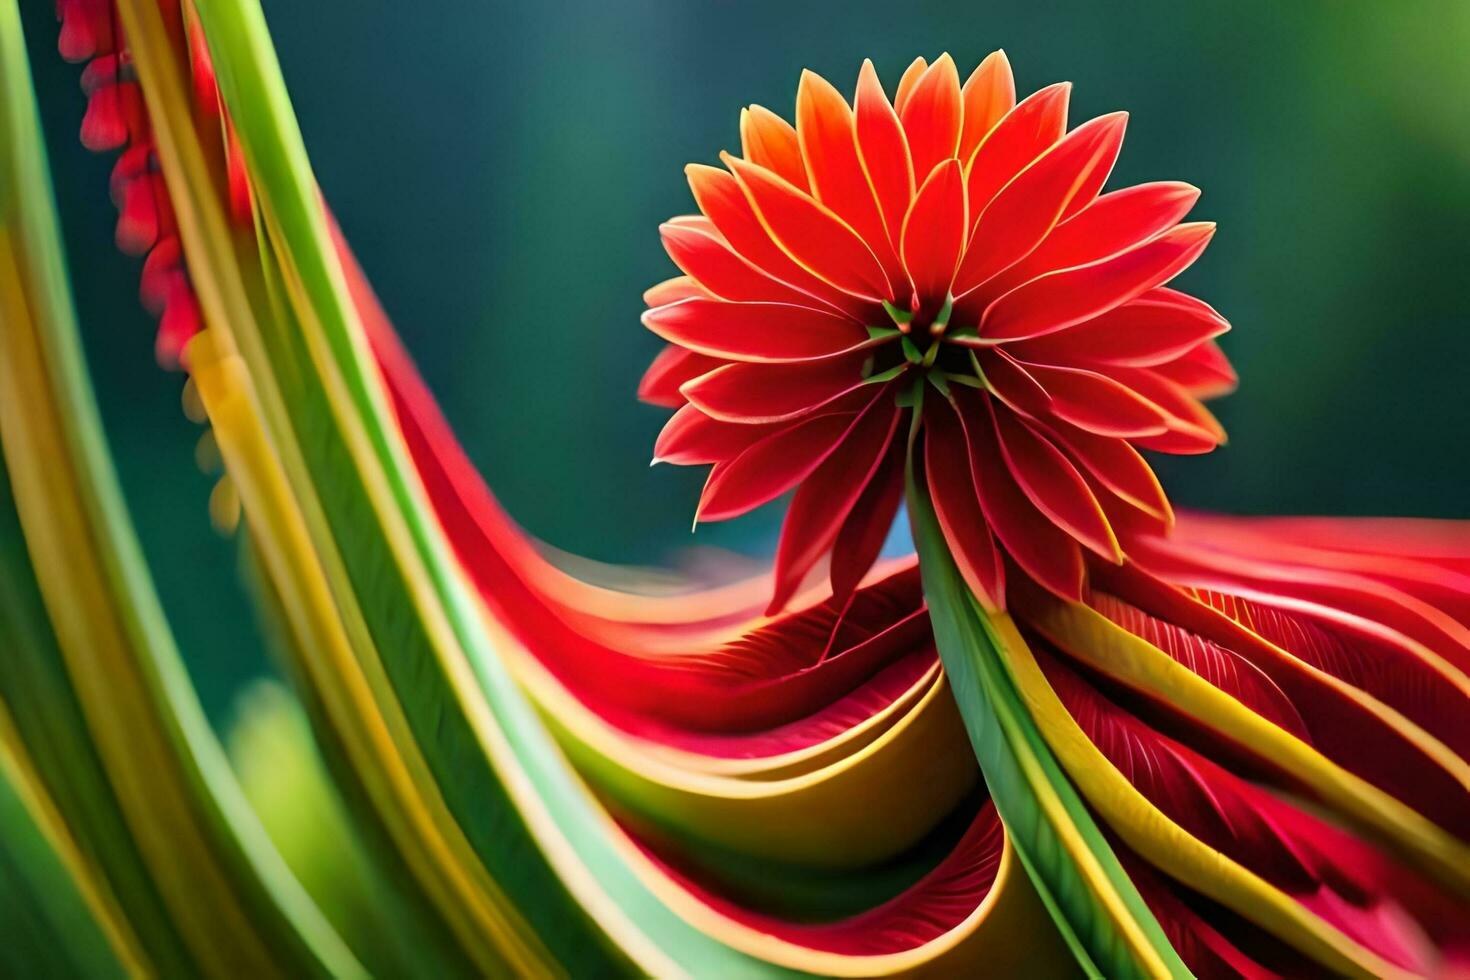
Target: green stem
1096 908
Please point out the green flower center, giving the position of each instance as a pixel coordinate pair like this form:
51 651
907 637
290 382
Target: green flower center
921 344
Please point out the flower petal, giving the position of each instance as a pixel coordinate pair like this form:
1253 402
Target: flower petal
721 198
824 126
1025 211
907 81
1118 467
952 488
1109 225
704 254
989 93
1204 372
772 392
1185 411
1044 551
690 438
671 368
1022 136
673 290
1159 326
934 232
1099 404
861 539
770 467
769 141
812 234
932 115
1016 388
826 497
1060 299
1053 485
757 332
883 150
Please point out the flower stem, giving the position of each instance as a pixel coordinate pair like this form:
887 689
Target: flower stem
1097 910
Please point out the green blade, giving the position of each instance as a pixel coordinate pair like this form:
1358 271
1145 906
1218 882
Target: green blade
1096 908
476 731
118 735
47 926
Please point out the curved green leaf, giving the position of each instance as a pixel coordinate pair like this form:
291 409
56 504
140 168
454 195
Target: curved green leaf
1095 906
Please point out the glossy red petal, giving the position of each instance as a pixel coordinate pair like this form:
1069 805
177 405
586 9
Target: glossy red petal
824 500
769 141
721 198
1099 404
989 93
1061 299
956 505
934 232
1118 467
931 115
1113 223
883 150
907 81
773 392
757 332
1159 326
670 369
1204 371
1053 485
1046 552
1179 441
673 290
770 467
824 125
812 234
704 255
1187 415
1025 211
1023 135
690 437
1012 384
861 539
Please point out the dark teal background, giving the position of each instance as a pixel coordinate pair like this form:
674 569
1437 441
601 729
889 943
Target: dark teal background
501 171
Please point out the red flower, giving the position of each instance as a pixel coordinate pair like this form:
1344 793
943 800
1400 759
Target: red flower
941 267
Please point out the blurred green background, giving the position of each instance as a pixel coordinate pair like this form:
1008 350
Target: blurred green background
501 171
